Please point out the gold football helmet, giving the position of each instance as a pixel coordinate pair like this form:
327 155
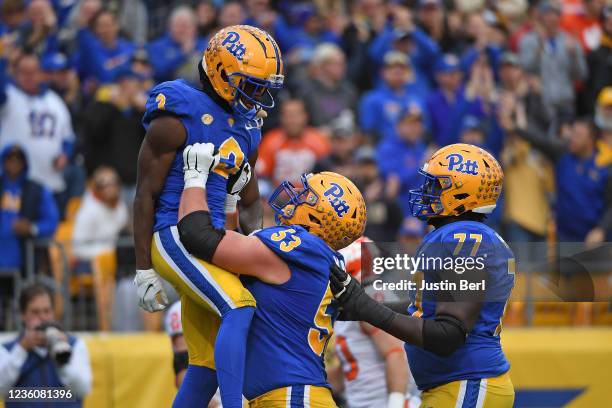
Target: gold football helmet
243 63
328 205
458 178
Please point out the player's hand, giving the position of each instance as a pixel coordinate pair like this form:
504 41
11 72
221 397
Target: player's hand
237 181
149 286
198 160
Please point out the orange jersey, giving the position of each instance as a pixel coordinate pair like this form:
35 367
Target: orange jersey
281 158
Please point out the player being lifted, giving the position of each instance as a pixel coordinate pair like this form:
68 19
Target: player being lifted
452 337
239 67
286 268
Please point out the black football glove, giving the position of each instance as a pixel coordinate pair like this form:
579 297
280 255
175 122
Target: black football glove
355 304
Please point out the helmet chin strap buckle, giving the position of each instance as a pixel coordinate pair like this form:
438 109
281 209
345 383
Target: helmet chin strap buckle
288 212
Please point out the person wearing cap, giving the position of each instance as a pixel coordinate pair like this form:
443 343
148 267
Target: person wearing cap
384 213
400 156
27 209
38 119
520 92
380 108
343 139
403 35
448 105
600 61
554 56
63 79
177 49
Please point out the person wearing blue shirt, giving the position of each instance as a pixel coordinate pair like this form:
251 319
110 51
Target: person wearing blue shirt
449 104
27 209
101 53
403 36
401 154
178 47
380 108
584 185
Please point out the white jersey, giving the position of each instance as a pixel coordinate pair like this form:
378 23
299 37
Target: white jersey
363 366
40 124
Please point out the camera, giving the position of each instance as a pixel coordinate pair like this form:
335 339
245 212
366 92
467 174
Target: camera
59 349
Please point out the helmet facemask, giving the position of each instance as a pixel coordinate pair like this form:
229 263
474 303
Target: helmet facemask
253 94
425 201
286 198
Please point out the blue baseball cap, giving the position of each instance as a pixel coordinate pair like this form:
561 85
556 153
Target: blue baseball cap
55 62
471 123
447 63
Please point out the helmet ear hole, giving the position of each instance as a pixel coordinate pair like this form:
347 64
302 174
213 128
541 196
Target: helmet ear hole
461 196
314 219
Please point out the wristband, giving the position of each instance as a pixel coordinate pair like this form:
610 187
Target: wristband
231 203
396 400
195 179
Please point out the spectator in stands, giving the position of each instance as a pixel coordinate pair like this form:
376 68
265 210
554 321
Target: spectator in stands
231 13
400 155
522 91
600 61
13 15
344 139
328 92
101 52
555 57
584 186
402 35
381 108
43 355
99 220
179 50
384 214
37 118
112 129
435 21
294 148
207 18
39 33
603 121
448 105
61 77
28 209
583 22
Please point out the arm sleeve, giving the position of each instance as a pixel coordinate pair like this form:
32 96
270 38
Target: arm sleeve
529 53
553 148
76 374
368 113
427 50
10 366
49 215
164 68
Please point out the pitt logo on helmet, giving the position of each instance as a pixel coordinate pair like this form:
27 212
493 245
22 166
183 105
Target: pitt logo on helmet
232 44
334 195
455 162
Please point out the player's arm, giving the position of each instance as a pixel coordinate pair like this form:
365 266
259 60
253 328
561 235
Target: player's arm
396 364
251 208
442 335
164 136
237 253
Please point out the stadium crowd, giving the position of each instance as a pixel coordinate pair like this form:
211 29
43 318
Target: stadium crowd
372 87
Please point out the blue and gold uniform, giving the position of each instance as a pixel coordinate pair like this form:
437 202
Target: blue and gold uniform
292 324
207 291
476 374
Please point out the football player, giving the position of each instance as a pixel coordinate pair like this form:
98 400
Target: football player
286 269
373 362
452 336
239 68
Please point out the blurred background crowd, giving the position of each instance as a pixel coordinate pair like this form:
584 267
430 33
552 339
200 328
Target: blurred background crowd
372 88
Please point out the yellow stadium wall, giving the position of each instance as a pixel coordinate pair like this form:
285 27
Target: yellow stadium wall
132 371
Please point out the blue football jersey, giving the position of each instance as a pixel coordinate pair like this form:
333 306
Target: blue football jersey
481 356
205 121
293 321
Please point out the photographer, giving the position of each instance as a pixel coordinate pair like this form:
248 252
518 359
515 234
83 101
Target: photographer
43 355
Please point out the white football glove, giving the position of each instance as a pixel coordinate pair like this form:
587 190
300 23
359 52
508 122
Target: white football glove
148 286
198 160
